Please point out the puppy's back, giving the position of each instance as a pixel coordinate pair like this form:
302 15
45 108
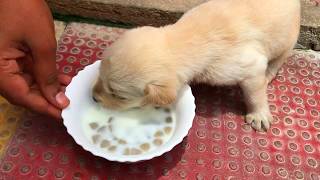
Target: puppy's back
275 23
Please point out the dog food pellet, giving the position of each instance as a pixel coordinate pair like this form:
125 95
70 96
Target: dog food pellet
167 110
156 107
169 120
105 143
110 119
95 138
121 141
145 146
112 148
157 142
167 130
102 129
126 151
93 125
158 134
135 151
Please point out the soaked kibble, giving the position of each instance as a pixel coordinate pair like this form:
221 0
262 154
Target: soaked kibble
112 148
169 120
135 151
104 135
157 107
126 151
93 125
95 138
105 143
145 146
157 142
102 129
121 141
167 130
158 134
110 119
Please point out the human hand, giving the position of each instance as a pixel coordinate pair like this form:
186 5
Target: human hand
28 75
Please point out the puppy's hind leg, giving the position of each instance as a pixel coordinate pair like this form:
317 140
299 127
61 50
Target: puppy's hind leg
275 64
254 88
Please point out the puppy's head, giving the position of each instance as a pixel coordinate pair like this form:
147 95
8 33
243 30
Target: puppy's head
134 72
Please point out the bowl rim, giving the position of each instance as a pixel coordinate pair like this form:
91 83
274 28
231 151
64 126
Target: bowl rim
67 121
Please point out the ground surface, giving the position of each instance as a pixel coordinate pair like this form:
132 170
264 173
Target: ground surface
219 145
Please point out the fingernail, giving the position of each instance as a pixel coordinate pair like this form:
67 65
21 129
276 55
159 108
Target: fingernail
62 99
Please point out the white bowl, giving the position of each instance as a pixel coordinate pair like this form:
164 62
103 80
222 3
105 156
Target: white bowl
80 95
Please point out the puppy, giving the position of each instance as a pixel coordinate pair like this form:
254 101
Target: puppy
225 42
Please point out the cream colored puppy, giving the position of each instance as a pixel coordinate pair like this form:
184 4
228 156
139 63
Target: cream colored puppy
221 42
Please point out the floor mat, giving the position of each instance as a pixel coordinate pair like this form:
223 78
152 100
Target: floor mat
219 145
9 118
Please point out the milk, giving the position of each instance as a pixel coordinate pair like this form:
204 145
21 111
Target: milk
131 132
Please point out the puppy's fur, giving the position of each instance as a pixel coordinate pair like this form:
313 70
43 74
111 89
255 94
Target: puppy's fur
222 42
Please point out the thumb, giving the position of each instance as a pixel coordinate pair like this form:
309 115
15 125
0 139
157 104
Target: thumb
46 75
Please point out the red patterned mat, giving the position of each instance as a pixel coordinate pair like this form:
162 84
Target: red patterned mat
219 145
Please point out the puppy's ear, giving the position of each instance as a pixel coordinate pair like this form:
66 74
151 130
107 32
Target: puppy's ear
160 94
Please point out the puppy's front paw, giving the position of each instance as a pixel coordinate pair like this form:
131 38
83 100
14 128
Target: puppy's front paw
259 120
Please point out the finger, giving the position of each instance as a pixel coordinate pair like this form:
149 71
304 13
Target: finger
37 103
64 79
12 53
63 89
45 72
28 78
9 67
46 76
14 88
62 99
42 44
